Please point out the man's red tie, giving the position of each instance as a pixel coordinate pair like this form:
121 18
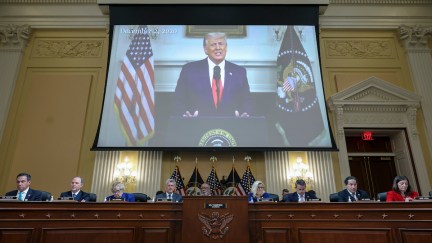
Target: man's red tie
215 91
217 87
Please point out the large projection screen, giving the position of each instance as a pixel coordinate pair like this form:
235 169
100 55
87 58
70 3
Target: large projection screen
160 93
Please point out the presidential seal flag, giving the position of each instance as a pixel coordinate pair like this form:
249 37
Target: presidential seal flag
134 95
299 115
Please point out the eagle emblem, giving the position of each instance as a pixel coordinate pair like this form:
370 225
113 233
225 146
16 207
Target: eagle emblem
215 226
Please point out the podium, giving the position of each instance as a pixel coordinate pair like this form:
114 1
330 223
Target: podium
216 132
215 219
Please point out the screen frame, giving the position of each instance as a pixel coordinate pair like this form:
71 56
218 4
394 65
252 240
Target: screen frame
197 14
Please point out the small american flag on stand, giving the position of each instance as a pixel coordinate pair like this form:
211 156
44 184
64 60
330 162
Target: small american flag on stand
180 187
134 95
247 180
213 181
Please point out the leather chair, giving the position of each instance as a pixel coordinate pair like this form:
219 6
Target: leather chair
93 197
141 197
382 196
334 197
430 194
46 196
273 196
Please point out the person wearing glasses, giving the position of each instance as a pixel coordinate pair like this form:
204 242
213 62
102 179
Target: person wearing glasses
257 192
118 193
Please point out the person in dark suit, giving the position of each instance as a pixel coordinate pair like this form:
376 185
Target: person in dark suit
24 192
76 184
351 193
118 193
213 86
300 195
169 192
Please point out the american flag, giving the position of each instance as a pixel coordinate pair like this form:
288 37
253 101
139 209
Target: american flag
213 181
180 187
134 96
247 180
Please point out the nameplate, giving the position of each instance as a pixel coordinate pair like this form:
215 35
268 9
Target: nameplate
164 200
265 200
215 205
9 197
423 198
65 198
116 200
314 200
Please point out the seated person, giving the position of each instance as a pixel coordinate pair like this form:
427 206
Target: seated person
170 187
76 184
205 189
24 192
300 195
118 193
257 192
351 193
401 191
285 192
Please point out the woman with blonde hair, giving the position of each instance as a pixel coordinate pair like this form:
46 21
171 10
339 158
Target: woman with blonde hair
118 193
257 192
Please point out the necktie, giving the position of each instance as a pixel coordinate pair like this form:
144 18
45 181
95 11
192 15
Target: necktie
352 196
21 196
169 196
74 196
217 87
302 199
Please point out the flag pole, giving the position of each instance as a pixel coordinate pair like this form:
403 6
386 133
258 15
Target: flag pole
196 172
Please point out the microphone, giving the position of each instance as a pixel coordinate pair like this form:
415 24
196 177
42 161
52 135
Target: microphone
217 77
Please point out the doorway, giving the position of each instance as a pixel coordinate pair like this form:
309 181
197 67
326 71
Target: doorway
372 162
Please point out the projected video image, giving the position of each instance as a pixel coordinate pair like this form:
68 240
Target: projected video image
188 86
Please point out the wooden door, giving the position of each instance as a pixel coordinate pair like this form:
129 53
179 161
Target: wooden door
374 174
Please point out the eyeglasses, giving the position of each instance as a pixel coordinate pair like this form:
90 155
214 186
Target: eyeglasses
261 187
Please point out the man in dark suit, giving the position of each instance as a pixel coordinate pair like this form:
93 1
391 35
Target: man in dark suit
300 195
213 86
169 192
24 192
351 193
76 184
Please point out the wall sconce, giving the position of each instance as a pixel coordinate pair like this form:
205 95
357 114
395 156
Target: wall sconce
124 173
300 171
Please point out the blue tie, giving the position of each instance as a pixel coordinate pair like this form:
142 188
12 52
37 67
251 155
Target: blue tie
20 196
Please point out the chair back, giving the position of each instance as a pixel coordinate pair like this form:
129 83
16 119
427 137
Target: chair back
140 197
93 197
382 196
430 193
46 196
273 196
334 197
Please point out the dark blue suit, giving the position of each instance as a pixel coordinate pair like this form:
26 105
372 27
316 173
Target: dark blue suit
294 197
194 93
175 197
79 197
344 195
32 195
127 197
